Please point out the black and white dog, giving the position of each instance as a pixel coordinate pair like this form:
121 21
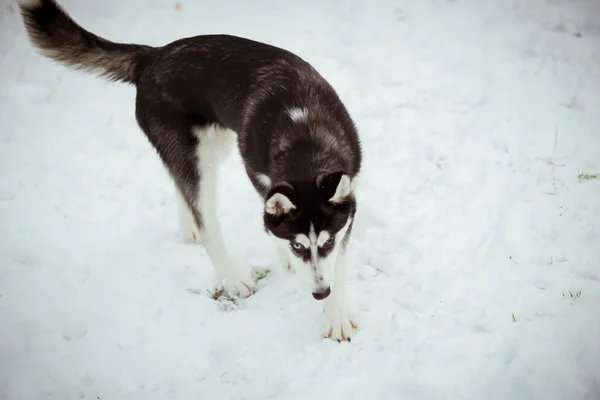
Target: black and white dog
299 145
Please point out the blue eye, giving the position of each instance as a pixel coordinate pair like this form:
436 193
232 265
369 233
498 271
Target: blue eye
328 243
297 246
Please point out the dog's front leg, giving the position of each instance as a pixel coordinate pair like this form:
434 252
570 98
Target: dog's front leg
340 322
284 258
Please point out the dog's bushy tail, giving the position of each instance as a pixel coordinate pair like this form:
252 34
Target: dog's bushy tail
60 38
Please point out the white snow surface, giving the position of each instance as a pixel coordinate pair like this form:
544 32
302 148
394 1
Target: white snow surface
473 229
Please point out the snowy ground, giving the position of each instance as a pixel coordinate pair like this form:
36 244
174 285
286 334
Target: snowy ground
473 230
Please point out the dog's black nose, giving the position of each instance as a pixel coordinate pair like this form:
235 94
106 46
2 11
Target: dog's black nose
322 295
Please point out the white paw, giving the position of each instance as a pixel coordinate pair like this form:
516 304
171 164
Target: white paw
238 283
340 323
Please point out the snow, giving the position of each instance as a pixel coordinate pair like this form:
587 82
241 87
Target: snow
475 117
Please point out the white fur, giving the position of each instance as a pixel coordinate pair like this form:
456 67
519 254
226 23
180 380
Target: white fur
325 269
187 225
279 204
340 321
298 114
214 145
323 237
322 278
312 239
342 191
264 180
319 273
303 240
284 256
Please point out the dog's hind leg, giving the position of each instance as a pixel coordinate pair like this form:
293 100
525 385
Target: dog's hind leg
187 224
191 156
213 145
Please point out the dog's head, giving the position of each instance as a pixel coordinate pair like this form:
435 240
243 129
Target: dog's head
310 221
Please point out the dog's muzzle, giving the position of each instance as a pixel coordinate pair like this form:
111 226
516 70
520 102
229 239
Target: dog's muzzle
322 295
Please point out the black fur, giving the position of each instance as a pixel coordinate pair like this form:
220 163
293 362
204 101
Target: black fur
234 83
312 207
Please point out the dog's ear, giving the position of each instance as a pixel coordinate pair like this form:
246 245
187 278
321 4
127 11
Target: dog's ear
334 187
279 201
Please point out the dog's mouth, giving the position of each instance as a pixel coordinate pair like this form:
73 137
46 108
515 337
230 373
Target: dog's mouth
322 295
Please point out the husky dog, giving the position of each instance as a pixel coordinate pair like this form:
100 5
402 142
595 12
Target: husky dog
298 142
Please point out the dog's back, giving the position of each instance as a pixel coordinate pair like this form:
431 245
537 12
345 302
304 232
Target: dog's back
237 83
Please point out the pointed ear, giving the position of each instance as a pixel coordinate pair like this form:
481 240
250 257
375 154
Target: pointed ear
334 187
278 202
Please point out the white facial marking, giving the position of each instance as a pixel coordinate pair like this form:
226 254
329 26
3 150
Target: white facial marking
342 191
279 204
298 114
317 273
327 263
313 244
264 180
323 237
303 240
